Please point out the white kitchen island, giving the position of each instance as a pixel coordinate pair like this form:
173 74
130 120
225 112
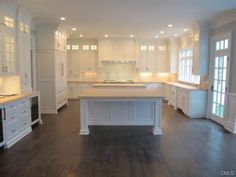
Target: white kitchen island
103 106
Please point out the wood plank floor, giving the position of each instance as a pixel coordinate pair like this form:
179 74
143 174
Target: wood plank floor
187 148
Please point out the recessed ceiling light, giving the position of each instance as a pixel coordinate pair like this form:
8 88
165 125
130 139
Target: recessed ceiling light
156 36
74 29
162 32
185 29
176 35
106 35
62 18
81 35
131 35
170 25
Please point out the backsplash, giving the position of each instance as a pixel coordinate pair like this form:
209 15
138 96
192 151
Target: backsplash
9 85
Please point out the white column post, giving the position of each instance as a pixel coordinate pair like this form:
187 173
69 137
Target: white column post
157 118
84 130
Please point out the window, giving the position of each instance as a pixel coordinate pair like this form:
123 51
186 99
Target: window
185 67
68 47
24 28
93 47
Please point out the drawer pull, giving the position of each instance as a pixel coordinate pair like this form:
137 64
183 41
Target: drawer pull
24 112
12 106
13 117
13 130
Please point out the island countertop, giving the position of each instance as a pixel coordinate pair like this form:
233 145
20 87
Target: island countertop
118 93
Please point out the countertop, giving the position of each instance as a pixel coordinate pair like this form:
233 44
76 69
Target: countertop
118 93
9 99
119 85
184 86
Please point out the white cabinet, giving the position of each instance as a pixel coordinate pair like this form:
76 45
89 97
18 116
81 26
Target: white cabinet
191 101
116 49
52 72
166 91
17 120
88 60
73 64
200 48
173 96
61 78
75 88
173 55
82 57
162 59
8 64
23 31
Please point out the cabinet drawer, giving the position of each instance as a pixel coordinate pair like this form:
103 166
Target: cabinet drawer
24 122
12 130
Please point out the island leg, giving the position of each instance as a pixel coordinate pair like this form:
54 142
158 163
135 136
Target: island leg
157 118
84 130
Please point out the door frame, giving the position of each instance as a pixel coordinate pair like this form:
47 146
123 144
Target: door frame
211 75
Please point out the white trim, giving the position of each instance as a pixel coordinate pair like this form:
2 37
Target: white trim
211 75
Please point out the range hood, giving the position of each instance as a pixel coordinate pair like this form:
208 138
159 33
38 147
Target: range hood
116 50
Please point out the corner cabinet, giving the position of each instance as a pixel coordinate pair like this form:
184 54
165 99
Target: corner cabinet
52 69
200 48
8 64
23 34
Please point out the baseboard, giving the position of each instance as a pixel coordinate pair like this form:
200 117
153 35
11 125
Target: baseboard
47 111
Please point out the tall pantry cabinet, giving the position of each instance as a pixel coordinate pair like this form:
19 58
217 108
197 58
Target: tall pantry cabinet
23 35
52 68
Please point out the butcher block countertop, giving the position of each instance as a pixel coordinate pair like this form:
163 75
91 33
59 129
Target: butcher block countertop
118 93
8 99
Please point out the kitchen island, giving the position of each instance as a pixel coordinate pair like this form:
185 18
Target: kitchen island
121 107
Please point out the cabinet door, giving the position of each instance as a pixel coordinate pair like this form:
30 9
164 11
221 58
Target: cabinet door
163 64
8 49
74 64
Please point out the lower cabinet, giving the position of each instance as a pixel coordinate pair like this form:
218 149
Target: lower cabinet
192 102
17 121
173 96
74 89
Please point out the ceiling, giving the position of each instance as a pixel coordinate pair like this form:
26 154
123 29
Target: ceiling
121 18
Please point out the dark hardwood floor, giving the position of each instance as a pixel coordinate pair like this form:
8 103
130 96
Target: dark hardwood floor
187 148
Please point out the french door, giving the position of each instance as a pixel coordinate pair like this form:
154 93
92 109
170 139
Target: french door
219 78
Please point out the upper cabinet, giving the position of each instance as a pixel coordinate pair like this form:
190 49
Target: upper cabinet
8 64
146 55
173 55
23 32
153 56
116 50
163 60
200 48
82 57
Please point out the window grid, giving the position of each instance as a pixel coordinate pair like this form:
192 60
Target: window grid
185 67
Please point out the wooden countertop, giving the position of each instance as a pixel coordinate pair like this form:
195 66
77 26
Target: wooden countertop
119 93
9 99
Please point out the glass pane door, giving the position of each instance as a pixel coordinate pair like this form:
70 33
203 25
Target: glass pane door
219 87
219 80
